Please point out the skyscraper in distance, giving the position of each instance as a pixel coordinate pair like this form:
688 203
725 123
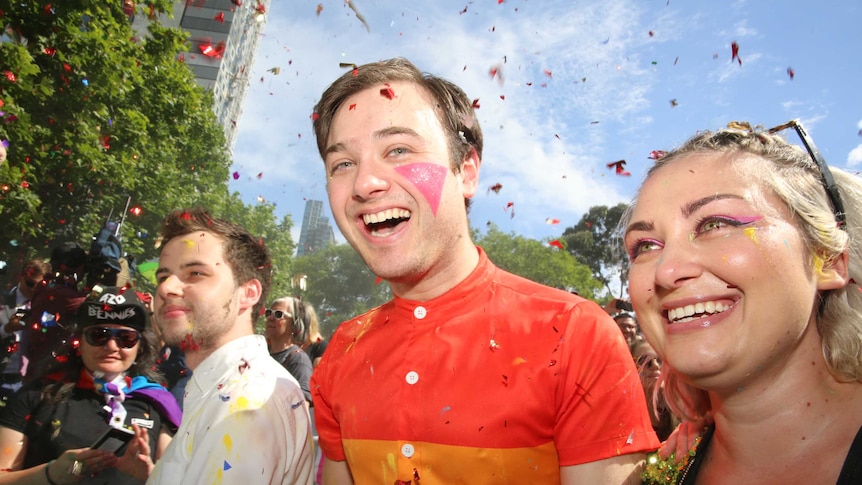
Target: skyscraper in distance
223 40
316 232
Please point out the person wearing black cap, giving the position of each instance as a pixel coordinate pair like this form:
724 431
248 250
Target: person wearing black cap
107 383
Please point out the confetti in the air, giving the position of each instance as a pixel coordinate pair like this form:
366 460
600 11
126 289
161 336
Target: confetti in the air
734 53
495 188
620 167
319 9
351 4
791 73
552 221
556 244
674 103
656 154
510 205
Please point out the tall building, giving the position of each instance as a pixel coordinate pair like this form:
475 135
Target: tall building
223 40
316 231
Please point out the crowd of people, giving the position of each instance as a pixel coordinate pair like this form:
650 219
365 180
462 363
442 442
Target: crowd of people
743 326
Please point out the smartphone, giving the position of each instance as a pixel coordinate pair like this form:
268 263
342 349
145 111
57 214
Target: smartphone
21 313
113 439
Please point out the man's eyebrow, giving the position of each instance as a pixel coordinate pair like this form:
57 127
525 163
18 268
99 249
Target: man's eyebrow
190 264
694 205
379 134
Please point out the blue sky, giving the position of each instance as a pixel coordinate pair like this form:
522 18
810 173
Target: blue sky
583 84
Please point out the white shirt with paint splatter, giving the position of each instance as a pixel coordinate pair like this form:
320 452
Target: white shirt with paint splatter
244 422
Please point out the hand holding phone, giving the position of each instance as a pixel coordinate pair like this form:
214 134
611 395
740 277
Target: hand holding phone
113 439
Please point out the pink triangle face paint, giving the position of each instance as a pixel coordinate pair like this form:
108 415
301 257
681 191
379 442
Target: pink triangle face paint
428 178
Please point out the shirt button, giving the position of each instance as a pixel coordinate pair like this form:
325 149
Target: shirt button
420 312
412 377
407 450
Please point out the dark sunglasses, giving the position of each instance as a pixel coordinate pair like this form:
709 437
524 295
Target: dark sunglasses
278 314
99 336
825 175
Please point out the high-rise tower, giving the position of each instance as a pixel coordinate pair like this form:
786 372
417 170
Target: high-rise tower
316 231
223 40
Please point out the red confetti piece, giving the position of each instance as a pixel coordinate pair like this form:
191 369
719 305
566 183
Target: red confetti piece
260 175
510 205
10 76
189 343
319 9
49 9
238 3
219 17
25 184
475 103
378 280
791 73
556 243
49 51
387 92
260 8
106 142
552 221
315 116
351 107
651 33
734 53
67 67
503 97
210 50
619 166
656 154
495 188
548 73
136 210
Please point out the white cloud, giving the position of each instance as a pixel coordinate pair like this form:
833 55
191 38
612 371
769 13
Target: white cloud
855 156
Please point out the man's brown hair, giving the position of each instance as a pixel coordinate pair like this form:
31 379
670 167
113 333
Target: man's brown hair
454 108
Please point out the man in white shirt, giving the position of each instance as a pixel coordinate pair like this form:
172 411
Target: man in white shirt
244 418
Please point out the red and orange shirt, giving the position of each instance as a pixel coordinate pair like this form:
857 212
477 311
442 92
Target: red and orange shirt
500 379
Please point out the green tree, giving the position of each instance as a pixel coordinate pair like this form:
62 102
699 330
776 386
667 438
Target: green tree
94 116
595 241
339 285
537 261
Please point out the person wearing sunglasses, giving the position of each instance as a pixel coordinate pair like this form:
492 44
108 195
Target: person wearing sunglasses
286 329
14 307
745 273
106 381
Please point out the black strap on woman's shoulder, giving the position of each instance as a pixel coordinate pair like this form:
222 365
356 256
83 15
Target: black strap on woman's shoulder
851 472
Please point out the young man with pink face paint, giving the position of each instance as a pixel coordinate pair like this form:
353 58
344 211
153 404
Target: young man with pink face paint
470 374
245 419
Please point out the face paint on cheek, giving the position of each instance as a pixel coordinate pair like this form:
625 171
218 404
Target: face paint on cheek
751 232
428 178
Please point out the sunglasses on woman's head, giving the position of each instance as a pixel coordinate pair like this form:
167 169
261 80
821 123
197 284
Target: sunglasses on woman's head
278 314
99 336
